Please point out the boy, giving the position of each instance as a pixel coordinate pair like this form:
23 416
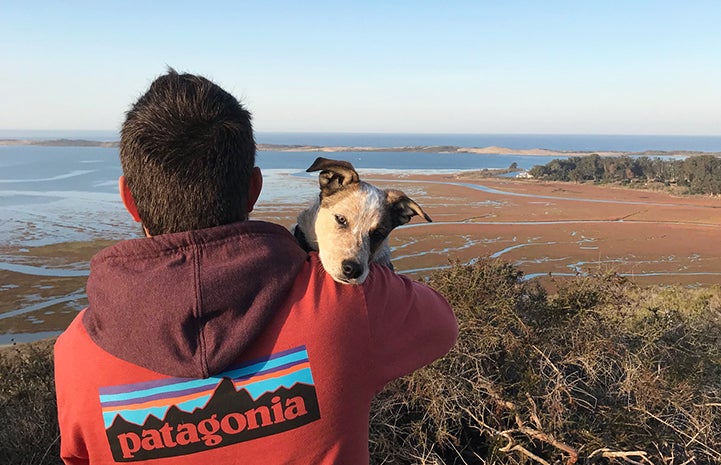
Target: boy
217 339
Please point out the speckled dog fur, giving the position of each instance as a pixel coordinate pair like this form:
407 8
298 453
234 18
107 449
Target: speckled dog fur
349 223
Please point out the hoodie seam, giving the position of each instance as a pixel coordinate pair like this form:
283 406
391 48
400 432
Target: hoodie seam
372 362
199 311
171 250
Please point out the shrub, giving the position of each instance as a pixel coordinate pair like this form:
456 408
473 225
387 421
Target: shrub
29 433
599 371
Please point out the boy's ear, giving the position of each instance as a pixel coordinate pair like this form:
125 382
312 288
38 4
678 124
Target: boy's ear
127 197
256 185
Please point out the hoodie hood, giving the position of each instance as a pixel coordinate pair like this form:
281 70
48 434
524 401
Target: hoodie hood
188 304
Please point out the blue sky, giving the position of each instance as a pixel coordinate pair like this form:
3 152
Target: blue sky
564 67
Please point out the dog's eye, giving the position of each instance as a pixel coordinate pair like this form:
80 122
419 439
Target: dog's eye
340 219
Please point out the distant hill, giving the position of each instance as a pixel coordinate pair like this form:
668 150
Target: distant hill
491 150
60 142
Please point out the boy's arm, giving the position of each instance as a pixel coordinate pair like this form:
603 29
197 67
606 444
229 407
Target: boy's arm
411 325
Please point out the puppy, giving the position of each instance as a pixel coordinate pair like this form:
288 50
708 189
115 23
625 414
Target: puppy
349 223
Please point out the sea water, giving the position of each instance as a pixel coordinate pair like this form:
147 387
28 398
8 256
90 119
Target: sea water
579 142
60 194
51 195
70 193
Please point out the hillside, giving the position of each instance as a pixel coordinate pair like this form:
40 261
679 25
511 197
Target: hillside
597 371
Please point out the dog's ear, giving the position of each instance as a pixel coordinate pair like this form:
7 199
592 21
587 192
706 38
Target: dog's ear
403 208
334 174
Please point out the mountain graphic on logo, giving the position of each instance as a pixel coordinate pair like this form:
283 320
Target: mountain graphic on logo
229 417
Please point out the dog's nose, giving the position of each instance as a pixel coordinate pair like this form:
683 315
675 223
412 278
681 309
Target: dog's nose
351 269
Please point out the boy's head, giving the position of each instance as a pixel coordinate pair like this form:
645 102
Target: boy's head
188 156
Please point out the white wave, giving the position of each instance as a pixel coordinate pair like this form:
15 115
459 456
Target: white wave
71 174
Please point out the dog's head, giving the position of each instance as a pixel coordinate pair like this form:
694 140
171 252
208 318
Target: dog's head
354 219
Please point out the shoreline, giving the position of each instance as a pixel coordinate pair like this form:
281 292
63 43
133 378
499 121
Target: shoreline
549 230
449 149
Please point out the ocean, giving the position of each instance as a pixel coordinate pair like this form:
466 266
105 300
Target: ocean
580 142
56 200
56 194
60 194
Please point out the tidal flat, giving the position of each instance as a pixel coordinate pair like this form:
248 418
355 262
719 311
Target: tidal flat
552 230
549 230
43 287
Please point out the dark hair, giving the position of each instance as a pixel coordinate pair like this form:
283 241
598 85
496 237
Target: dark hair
187 152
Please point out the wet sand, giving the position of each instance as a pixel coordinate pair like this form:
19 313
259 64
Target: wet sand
564 229
42 288
549 230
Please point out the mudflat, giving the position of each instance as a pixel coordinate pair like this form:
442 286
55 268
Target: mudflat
549 230
560 229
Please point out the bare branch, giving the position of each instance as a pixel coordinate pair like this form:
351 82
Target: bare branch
625 455
713 452
573 453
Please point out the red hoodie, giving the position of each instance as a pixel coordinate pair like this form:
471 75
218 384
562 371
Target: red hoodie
232 345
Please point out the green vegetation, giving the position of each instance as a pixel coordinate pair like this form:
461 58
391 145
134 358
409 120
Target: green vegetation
699 174
598 371
489 173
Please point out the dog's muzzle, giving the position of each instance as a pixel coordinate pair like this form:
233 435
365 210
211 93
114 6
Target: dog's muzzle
351 269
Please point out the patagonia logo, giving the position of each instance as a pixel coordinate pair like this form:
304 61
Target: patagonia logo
179 416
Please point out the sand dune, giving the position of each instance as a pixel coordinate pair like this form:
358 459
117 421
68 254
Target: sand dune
340 149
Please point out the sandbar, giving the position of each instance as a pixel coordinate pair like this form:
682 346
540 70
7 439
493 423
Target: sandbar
489 150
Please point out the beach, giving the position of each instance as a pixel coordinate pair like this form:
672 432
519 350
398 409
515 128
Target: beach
548 230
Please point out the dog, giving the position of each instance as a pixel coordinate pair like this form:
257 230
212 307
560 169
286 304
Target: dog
350 221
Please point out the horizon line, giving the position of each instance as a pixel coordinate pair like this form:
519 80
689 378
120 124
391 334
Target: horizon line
599 134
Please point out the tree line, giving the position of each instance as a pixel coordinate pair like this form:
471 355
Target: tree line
700 174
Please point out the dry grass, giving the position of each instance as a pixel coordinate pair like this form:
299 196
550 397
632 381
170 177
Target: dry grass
601 371
29 432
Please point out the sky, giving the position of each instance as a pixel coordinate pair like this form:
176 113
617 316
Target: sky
474 67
